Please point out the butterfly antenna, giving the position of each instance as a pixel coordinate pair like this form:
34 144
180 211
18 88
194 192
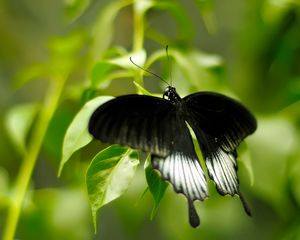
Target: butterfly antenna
169 64
148 71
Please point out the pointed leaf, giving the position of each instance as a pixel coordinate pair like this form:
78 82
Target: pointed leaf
138 57
109 175
141 89
156 185
103 71
99 73
77 135
103 29
18 121
74 9
245 159
32 72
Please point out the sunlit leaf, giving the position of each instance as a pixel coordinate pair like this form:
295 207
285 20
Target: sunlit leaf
141 89
197 68
103 73
18 121
103 29
273 10
64 52
156 185
66 46
109 175
77 135
124 61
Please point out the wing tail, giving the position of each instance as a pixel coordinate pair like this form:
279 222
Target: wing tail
193 215
222 169
184 172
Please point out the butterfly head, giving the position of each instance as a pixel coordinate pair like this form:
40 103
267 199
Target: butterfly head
171 94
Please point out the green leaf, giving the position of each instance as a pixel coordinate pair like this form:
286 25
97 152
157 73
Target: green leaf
156 184
18 121
109 175
103 73
246 160
74 8
103 29
77 135
273 11
30 73
155 56
99 72
141 89
139 57
197 67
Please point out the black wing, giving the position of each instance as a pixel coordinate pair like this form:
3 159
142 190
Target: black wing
154 125
139 121
182 168
222 117
220 124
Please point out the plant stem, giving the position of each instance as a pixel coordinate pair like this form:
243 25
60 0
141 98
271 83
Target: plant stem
29 161
138 36
138 28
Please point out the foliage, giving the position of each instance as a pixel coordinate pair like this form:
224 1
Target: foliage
61 59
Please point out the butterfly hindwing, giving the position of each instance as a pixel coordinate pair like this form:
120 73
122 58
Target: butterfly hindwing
139 121
221 165
220 124
222 168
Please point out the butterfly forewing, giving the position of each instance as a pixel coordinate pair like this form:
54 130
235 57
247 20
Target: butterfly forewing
138 121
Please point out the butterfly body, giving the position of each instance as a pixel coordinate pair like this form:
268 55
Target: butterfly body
159 126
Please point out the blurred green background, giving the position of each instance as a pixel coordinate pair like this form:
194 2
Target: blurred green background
56 55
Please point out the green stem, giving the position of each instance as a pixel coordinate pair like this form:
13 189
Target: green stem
30 158
138 28
138 37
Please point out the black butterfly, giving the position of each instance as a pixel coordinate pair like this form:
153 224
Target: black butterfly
160 126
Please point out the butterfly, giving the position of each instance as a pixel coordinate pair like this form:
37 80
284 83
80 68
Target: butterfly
160 126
